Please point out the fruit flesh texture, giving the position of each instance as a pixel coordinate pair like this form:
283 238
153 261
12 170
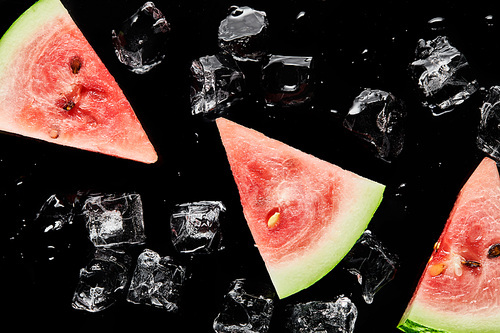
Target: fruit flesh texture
460 287
322 208
55 88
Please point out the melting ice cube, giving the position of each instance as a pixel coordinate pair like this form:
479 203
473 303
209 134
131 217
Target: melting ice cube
157 281
196 227
141 42
102 281
443 75
243 312
217 83
318 316
488 135
371 263
113 219
287 80
243 33
378 118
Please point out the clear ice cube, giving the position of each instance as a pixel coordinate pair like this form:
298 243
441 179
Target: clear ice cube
157 281
442 74
319 316
243 34
378 118
217 82
243 312
141 41
196 227
287 80
102 281
372 264
488 134
113 219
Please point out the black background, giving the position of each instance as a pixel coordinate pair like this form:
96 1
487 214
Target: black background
356 45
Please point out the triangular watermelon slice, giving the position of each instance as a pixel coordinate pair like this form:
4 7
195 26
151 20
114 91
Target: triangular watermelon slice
304 214
459 290
54 87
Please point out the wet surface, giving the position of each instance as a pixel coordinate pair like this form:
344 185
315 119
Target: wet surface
354 46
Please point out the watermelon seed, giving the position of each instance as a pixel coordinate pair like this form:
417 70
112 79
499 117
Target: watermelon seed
54 133
436 269
471 263
68 105
273 220
494 251
75 64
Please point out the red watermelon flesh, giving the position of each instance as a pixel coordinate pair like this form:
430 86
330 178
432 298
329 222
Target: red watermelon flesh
304 213
54 87
459 290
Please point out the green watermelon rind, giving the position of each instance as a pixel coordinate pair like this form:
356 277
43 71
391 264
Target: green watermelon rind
295 276
409 326
429 319
25 27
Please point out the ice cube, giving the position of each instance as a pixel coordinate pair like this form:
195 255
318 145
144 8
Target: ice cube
488 134
378 118
243 312
243 33
157 281
372 264
443 75
337 316
102 281
141 41
287 80
217 83
113 219
196 227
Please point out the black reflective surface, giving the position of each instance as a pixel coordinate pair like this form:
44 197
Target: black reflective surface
356 45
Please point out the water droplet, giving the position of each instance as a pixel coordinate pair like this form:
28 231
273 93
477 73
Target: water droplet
437 23
300 15
489 20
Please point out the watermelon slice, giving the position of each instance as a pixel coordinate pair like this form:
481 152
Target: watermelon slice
304 214
54 87
459 291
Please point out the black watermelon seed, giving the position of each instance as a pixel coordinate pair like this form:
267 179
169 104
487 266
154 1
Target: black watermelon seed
494 251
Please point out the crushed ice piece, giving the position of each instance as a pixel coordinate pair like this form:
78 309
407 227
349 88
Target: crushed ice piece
318 316
157 281
53 230
372 264
243 312
56 212
243 34
102 281
488 134
113 219
443 75
287 80
378 118
141 41
196 227
217 83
